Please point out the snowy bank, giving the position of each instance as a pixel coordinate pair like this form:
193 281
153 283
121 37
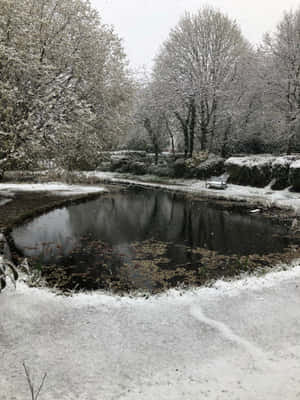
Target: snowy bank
54 187
235 340
265 197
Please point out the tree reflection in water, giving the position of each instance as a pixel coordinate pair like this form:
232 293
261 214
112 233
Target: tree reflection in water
108 239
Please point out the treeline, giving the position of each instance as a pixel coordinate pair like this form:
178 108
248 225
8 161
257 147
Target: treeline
65 89
211 90
66 92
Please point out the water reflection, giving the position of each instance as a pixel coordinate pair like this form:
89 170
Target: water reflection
137 238
137 216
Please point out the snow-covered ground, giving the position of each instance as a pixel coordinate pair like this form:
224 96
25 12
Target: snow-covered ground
236 340
54 187
4 201
264 196
255 160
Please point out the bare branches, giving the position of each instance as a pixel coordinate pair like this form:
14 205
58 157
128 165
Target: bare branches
281 53
197 68
34 393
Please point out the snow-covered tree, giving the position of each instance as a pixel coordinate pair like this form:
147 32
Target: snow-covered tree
149 118
197 68
282 76
64 81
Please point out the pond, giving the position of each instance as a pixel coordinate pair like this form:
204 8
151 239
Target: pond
146 240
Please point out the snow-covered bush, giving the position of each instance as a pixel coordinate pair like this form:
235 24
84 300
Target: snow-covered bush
213 166
281 171
251 170
259 171
294 175
7 268
198 158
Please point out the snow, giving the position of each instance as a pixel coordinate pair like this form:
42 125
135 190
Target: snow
295 165
235 340
4 201
55 187
5 198
264 160
257 196
284 161
125 152
251 161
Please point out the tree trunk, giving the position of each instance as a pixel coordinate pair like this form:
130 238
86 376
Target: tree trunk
148 127
171 137
185 130
192 124
156 151
203 126
203 139
290 144
224 151
213 117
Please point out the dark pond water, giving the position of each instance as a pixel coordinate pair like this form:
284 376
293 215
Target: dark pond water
141 240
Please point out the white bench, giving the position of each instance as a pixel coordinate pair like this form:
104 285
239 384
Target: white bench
216 184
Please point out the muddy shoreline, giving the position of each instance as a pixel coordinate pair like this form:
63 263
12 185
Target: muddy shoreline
210 265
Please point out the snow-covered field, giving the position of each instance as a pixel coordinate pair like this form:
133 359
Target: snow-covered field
235 340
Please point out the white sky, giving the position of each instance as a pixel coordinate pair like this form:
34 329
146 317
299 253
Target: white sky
144 24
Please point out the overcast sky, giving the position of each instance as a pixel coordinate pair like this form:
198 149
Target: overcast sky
144 24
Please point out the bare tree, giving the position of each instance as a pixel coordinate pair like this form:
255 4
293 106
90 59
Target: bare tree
151 118
197 67
282 77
